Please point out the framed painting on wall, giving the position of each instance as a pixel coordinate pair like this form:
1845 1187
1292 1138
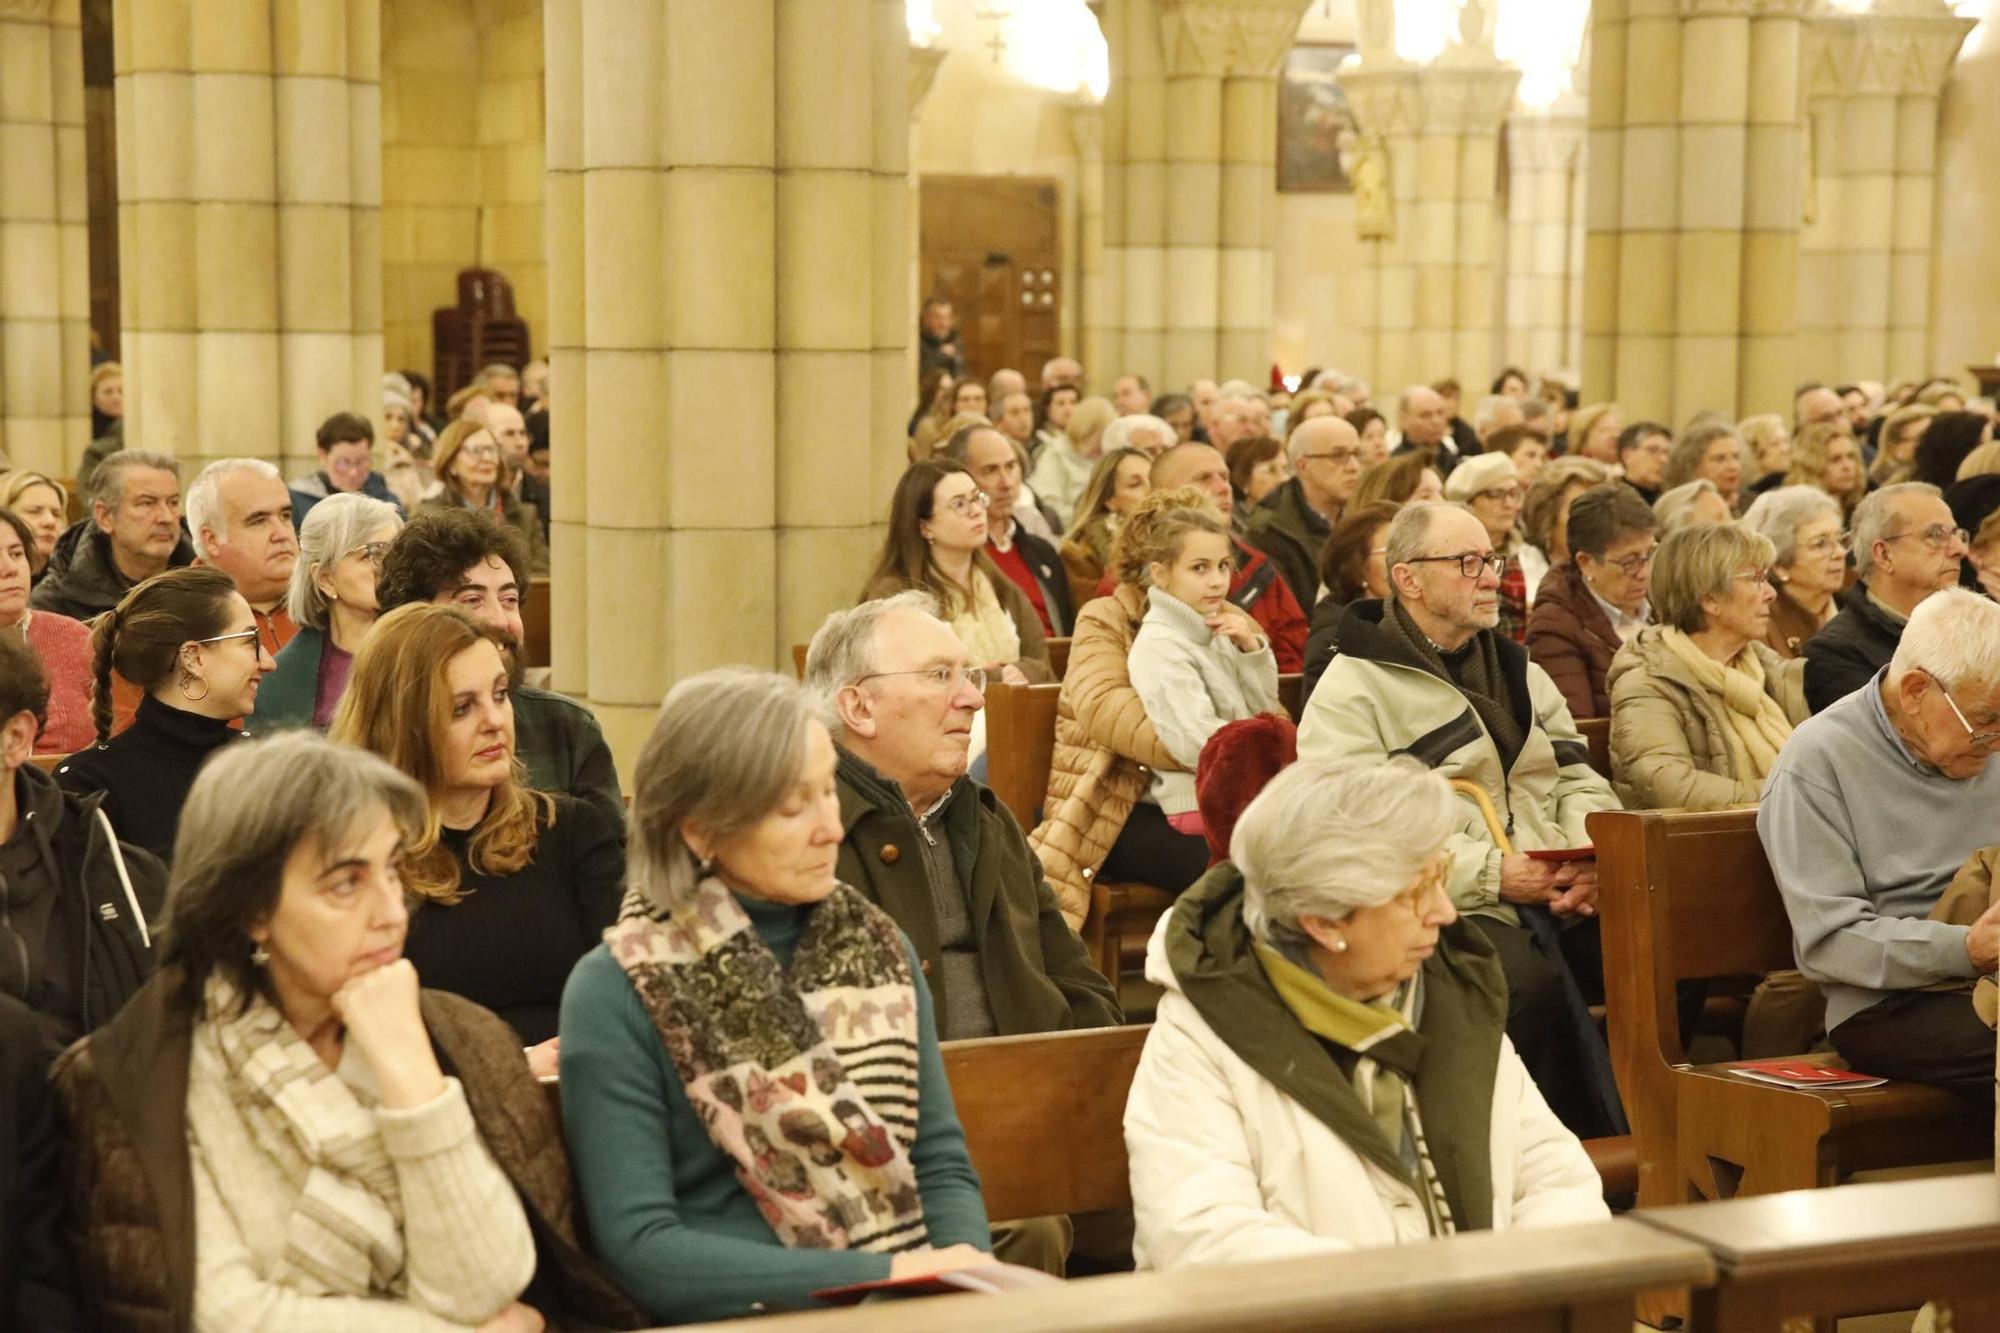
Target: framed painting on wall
1314 122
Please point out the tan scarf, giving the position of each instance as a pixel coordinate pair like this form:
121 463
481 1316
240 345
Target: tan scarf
806 1076
345 1234
1758 727
984 627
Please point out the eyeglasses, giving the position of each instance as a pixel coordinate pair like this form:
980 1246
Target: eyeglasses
1629 565
965 506
1824 546
481 451
1501 495
1751 576
371 551
1470 563
941 676
1937 536
1337 457
1978 740
225 638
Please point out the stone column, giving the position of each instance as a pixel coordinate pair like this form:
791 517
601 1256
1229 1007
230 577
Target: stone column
249 220
1692 272
739 252
1433 272
925 61
1086 128
1544 239
1136 193
1222 59
1386 98
1872 82
44 245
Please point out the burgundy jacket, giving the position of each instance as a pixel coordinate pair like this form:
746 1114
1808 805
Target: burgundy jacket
1571 638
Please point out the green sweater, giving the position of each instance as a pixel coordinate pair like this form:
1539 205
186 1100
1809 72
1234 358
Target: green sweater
666 1211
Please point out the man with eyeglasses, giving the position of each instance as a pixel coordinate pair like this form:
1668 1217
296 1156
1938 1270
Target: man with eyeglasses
1906 547
1423 673
1294 521
346 444
1873 807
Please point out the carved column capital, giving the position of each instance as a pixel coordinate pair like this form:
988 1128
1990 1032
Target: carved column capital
1224 38
1905 50
924 63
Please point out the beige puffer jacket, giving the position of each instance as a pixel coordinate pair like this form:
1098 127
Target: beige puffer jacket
1669 738
1104 747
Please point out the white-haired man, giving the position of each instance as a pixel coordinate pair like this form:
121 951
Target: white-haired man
239 511
1131 394
934 848
1142 431
1424 419
1907 546
1294 521
1062 370
132 532
1234 418
1873 807
1424 673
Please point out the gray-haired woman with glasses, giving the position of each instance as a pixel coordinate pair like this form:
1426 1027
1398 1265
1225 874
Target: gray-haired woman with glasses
332 601
189 640
1803 525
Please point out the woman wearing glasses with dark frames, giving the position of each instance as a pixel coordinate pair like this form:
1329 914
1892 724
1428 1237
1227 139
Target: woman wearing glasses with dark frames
332 601
189 640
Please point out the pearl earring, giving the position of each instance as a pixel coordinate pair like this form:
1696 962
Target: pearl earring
259 955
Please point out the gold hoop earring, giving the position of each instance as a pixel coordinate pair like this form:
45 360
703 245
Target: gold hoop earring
188 678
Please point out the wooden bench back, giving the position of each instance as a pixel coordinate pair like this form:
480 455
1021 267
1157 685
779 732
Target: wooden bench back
1683 895
1597 735
1058 654
1020 745
535 622
1044 1118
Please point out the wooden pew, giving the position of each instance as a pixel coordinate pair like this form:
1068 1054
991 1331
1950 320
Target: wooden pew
799 659
1597 735
1857 1249
48 763
535 617
1059 655
1578 1279
1686 895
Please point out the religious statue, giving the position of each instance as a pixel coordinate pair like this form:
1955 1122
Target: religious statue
1364 156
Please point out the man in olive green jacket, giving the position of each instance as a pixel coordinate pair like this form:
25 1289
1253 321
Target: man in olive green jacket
935 849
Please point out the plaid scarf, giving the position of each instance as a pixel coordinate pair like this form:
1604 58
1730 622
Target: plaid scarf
805 1077
345 1235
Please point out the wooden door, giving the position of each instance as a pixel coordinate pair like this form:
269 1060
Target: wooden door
992 246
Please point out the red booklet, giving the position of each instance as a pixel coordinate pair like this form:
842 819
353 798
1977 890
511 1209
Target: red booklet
1563 853
1803 1074
989 1278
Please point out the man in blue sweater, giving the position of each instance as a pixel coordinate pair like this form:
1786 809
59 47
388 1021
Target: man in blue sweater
1874 805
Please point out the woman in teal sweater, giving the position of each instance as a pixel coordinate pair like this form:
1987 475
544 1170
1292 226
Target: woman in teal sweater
750 1066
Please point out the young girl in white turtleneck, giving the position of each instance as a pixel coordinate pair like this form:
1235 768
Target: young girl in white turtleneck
1198 662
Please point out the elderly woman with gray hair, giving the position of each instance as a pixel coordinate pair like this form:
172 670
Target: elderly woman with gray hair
332 601
1699 705
1329 1067
753 1047
1809 567
281 1129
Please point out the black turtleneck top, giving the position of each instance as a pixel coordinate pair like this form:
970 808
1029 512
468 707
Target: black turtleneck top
145 771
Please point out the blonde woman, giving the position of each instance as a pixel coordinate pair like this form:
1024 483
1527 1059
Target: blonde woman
1593 433
1825 455
1062 469
43 505
511 885
1768 446
1896 445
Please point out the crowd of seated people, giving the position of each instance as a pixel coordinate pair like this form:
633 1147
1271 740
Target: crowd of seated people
303 884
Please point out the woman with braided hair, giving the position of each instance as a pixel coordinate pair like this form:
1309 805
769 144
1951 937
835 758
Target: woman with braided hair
189 640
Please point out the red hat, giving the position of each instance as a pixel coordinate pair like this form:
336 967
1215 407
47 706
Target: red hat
1235 764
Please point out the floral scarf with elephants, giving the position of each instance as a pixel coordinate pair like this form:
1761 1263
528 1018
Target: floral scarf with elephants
805 1077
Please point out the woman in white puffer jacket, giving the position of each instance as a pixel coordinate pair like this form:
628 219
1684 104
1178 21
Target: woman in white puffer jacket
1329 1068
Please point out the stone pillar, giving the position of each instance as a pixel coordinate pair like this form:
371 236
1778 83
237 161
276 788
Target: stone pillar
1433 273
1136 194
1872 82
44 244
1222 59
925 61
249 221
1086 128
1692 271
731 238
1544 239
